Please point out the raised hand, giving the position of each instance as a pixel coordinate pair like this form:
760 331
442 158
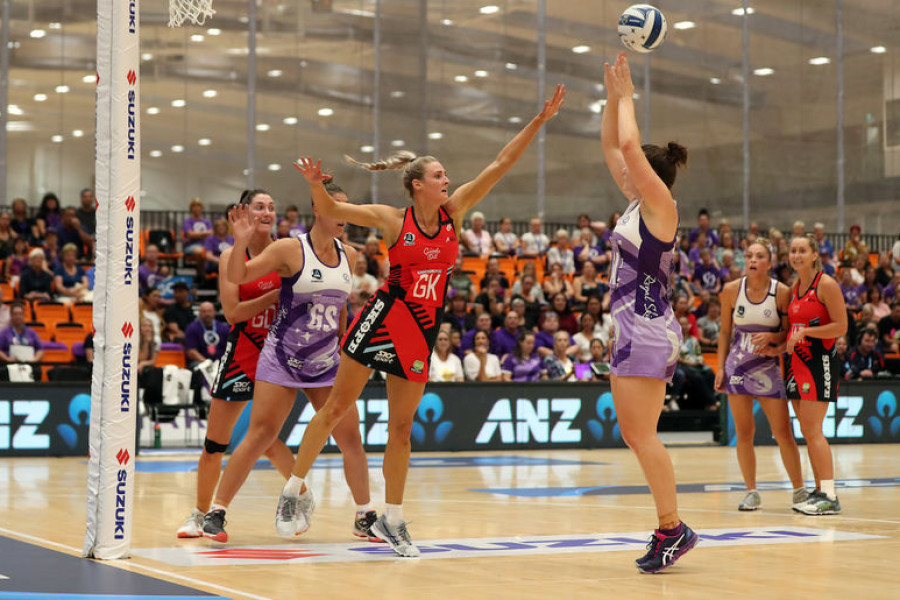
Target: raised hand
618 78
312 171
241 224
551 106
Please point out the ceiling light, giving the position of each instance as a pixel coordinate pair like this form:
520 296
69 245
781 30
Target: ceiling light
763 71
146 56
19 126
597 107
61 89
274 167
178 148
214 31
156 153
684 25
515 119
715 80
739 12
877 49
481 73
447 22
262 126
460 79
582 49
819 60
367 149
40 97
398 143
435 135
38 34
398 94
511 66
77 133
197 37
290 120
178 103
55 25
275 73
89 79
56 139
326 112
14 109
210 93
204 142
153 110
489 10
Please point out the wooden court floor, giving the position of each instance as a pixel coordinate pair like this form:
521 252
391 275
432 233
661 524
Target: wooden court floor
773 553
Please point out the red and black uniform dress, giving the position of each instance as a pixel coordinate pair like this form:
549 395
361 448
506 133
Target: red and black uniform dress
396 330
237 368
812 370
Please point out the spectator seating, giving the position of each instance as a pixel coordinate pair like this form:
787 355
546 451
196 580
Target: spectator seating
56 352
164 239
51 313
538 265
83 312
69 333
7 293
171 354
41 330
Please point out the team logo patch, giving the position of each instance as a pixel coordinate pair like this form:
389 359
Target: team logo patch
409 239
417 367
767 312
346 278
432 253
317 274
740 310
384 356
805 388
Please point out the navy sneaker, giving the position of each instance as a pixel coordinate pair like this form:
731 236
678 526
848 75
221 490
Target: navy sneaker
214 525
362 526
664 550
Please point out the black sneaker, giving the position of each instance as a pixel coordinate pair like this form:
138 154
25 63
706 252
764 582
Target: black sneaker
663 550
214 525
362 526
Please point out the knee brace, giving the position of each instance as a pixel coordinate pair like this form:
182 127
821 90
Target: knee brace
212 447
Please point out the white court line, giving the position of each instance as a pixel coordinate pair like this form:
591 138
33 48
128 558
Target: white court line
136 566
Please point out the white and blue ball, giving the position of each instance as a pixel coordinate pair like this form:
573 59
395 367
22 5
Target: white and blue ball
642 28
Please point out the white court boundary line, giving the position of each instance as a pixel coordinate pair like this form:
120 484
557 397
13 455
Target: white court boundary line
137 566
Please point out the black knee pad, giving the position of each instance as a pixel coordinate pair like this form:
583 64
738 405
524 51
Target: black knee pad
212 447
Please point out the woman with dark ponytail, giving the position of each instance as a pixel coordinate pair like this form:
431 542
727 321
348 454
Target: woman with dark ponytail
396 330
646 336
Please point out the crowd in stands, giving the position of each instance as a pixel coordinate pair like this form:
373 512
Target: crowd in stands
519 308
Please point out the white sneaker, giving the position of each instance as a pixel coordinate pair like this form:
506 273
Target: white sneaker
193 526
294 515
396 537
751 501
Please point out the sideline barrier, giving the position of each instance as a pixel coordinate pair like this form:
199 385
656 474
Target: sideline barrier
52 419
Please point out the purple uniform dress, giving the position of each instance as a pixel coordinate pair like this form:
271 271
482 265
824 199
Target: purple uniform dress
646 335
302 349
745 372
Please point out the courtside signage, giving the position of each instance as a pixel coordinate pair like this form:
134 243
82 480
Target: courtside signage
218 555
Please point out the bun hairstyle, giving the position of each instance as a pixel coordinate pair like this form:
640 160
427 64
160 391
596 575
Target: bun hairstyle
247 196
413 166
666 160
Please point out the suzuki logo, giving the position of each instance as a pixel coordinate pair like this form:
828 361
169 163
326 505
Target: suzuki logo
127 329
122 456
130 203
132 77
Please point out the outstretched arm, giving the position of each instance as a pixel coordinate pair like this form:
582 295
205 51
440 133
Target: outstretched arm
471 193
609 132
273 258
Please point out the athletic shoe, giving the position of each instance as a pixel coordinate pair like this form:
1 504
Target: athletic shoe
214 525
751 501
362 526
294 515
800 498
193 525
664 550
396 537
820 504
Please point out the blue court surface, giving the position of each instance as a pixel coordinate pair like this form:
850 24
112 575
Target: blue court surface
147 465
685 488
29 572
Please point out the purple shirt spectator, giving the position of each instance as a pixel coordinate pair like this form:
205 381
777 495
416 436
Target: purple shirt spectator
148 278
706 276
853 294
712 238
217 246
296 229
29 337
208 342
529 369
192 224
503 341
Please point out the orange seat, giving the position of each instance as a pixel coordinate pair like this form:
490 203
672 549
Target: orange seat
69 333
83 312
6 292
171 357
41 330
57 355
51 313
508 267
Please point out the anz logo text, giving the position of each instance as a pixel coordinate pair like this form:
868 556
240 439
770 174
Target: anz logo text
521 421
373 434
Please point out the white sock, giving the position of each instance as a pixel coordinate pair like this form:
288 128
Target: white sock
362 509
292 487
799 488
827 486
393 514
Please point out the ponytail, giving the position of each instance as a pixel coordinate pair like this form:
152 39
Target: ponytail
413 166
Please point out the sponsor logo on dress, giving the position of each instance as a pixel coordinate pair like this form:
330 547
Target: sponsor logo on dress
366 325
241 386
294 363
346 278
805 388
409 239
266 285
826 365
384 356
740 310
432 253
316 275
767 313
736 380
449 227
651 311
417 367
